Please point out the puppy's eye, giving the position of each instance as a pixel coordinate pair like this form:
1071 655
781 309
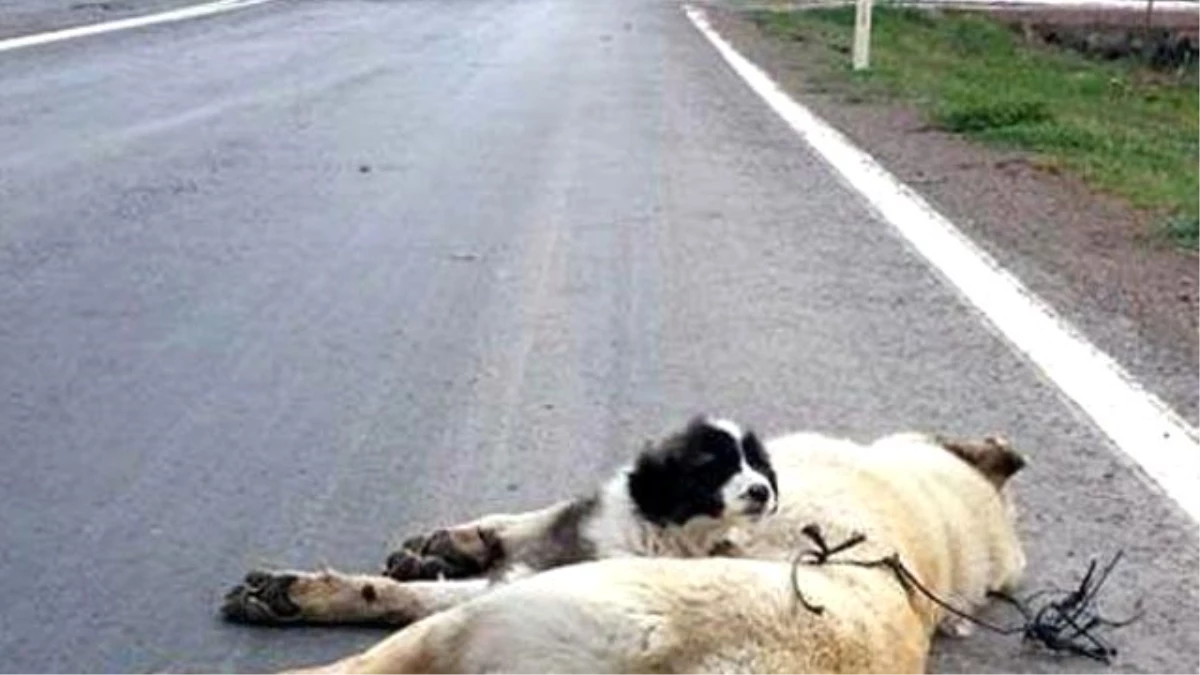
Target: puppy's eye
699 460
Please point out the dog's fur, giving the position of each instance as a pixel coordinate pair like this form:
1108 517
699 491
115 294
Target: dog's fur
939 505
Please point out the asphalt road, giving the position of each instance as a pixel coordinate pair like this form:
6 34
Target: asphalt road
280 286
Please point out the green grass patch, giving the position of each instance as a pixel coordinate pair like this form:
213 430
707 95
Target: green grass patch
1124 128
1184 229
986 115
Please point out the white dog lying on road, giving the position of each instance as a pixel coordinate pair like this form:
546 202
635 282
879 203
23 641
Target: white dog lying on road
645 607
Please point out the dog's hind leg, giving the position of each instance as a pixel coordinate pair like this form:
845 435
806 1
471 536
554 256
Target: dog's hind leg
333 597
472 549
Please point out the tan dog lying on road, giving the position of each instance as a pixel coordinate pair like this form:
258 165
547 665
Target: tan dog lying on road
938 505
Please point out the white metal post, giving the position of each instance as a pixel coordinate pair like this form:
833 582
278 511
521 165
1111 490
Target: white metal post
862 34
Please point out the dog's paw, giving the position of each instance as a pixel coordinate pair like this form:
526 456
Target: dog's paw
262 597
437 555
406 565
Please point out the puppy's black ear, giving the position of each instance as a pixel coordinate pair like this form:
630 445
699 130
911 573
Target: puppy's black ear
653 485
993 457
757 458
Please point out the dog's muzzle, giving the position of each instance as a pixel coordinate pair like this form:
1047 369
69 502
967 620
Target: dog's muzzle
758 500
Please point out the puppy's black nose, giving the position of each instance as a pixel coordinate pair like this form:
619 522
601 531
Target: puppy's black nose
758 493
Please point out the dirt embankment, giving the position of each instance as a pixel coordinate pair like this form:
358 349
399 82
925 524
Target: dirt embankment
1164 39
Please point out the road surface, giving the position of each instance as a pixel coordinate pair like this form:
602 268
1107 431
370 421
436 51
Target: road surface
280 286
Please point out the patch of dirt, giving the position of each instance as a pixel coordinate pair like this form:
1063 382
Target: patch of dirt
1178 21
1097 260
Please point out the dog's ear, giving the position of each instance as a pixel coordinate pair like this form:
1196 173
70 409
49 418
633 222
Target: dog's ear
652 484
993 457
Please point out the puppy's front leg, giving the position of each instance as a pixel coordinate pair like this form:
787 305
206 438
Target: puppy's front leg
472 549
333 597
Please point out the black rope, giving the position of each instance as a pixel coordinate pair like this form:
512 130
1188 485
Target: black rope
1067 621
818 557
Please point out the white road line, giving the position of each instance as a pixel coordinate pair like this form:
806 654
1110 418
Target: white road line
1142 426
123 24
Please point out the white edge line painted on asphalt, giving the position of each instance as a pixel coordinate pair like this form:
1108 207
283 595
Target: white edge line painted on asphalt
1142 426
122 24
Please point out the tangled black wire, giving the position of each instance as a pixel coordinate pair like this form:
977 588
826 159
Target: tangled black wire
1064 621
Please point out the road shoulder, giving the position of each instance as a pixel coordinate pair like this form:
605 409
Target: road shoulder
1089 255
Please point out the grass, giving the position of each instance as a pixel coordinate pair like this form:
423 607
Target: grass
1125 129
1184 230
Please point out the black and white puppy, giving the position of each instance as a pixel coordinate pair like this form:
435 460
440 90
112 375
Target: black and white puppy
689 490
680 497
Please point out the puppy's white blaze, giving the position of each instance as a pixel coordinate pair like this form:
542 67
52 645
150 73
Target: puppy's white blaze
734 491
728 426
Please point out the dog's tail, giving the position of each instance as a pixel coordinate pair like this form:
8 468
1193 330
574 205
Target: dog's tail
427 646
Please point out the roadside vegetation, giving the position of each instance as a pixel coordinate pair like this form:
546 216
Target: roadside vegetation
1126 128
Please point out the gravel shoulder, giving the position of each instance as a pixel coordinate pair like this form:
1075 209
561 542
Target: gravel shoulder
1091 256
